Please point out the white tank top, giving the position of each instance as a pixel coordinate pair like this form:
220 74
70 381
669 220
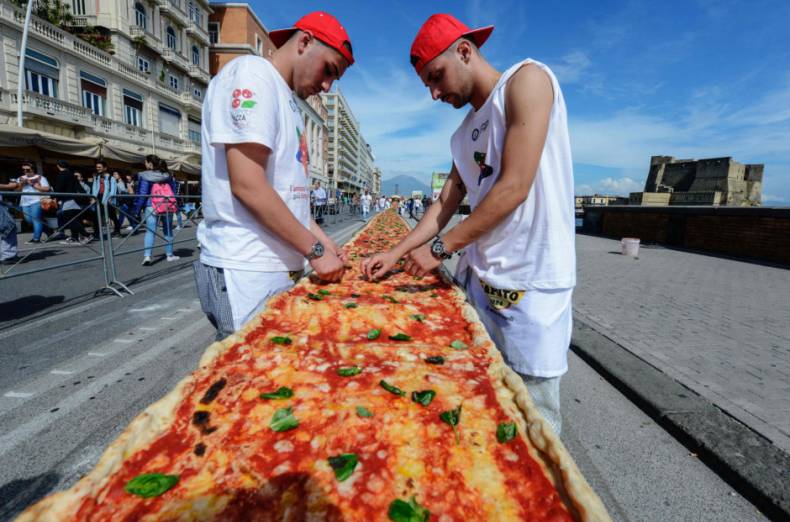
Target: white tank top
533 247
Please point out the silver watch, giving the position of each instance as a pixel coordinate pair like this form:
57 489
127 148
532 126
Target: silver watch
438 251
315 252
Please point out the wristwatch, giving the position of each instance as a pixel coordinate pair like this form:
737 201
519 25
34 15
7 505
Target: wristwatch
315 252
438 251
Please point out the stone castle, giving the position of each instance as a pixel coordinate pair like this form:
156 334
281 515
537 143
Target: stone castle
714 181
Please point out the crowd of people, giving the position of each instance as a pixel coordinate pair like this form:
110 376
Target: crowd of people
78 199
363 204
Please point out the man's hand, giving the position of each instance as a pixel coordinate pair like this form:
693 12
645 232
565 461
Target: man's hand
420 261
374 267
329 267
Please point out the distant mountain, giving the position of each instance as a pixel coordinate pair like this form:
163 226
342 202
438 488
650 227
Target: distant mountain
405 185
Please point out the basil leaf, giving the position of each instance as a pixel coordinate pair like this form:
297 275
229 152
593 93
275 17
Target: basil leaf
452 417
434 295
364 412
343 465
435 359
506 431
418 317
374 334
150 485
400 337
324 292
349 371
355 295
390 299
283 420
458 345
281 393
411 511
315 297
281 339
392 389
423 397
350 305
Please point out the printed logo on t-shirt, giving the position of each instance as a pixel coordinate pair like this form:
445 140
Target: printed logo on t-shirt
501 298
485 170
241 105
476 132
302 156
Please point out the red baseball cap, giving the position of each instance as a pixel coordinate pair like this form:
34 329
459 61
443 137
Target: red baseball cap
323 26
438 33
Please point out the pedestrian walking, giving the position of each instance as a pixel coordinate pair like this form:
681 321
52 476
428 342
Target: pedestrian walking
103 190
156 199
33 183
8 240
257 232
365 202
319 200
123 204
515 165
69 208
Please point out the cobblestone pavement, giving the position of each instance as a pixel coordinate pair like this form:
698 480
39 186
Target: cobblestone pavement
719 326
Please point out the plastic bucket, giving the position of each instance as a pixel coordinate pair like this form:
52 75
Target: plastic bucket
629 246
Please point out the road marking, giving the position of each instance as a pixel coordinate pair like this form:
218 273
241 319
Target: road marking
17 395
186 309
147 329
97 354
169 318
149 308
61 372
127 341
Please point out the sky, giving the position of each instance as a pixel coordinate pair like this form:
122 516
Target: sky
690 79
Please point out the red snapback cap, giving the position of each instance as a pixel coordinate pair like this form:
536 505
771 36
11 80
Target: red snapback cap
438 33
323 26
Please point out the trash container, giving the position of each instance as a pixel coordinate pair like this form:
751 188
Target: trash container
629 246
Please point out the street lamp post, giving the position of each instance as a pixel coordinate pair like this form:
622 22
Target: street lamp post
22 74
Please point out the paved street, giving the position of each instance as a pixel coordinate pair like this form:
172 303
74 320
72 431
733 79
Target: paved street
718 326
71 380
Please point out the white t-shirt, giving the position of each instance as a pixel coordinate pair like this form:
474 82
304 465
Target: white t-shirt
25 201
320 196
249 102
365 200
533 247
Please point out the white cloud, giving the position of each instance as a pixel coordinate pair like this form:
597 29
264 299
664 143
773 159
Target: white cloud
572 67
620 187
772 198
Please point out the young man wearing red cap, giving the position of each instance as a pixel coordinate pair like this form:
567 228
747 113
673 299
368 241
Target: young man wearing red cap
257 230
512 157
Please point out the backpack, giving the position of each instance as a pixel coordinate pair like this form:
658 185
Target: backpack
163 201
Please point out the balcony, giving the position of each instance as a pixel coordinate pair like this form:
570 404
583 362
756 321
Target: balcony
148 39
196 72
53 108
189 99
175 59
198 32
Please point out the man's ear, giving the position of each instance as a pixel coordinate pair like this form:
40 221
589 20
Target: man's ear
464 50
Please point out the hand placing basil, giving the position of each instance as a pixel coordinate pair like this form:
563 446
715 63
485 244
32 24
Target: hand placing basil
506 431
423 397
283 420
374 334
411 511
392 389
281 339
282 392
343 465
400 337
150 485
349 371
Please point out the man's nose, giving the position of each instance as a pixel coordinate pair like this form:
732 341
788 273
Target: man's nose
435 93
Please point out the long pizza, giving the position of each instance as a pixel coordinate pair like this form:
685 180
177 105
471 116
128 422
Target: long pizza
358 400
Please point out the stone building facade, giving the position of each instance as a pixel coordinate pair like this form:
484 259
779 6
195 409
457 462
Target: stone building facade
713 181
141 93
235 30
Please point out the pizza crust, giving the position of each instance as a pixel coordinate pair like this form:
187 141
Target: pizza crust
154 421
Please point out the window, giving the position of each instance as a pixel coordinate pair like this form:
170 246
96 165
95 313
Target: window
213 32
195 55
194 14
94 92
78 6
140 18
41 73
197 93
193 128
143 64
174 82
171 37
169 120
258 45
132 108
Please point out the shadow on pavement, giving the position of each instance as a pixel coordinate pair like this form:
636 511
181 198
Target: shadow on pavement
28 305
19 494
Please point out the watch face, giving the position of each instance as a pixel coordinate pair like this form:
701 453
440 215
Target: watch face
318 250
437 249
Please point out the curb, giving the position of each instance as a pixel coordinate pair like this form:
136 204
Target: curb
750 463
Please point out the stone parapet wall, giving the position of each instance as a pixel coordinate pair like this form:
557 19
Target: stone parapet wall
751 233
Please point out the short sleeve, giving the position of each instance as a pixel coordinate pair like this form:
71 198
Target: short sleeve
43 181
244 109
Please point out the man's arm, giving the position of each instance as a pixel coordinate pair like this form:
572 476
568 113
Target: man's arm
248 183
528 100
435 219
